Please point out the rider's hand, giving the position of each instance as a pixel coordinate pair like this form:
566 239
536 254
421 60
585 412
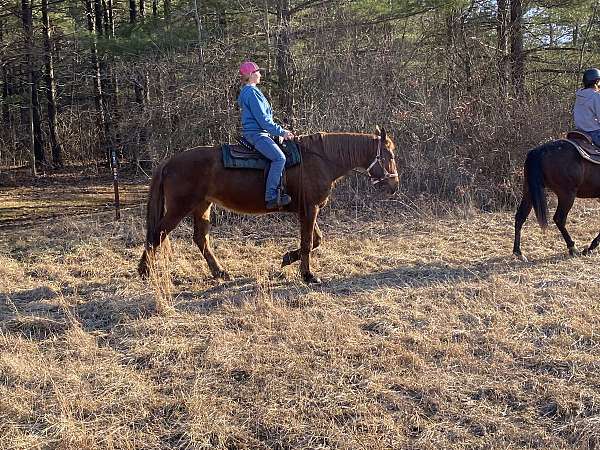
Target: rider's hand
288 135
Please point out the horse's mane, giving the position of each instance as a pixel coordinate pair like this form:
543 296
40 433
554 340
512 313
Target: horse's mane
348 147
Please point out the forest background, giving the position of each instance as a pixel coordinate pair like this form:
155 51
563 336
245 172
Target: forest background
464 87
425 333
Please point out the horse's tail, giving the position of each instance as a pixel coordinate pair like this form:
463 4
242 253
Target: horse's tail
534 177
155 209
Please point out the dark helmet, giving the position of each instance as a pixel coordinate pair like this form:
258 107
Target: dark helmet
590 75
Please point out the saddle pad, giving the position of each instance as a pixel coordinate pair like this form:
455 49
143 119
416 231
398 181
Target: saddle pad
236 158
587 151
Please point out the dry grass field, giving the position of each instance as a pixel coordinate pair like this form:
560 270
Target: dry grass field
426 334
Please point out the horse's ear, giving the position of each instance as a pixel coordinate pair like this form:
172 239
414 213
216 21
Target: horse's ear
382 134
377 130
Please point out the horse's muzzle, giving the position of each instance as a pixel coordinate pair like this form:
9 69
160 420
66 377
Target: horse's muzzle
392 185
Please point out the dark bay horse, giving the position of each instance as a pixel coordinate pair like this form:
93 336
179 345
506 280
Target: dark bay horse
191 181
558 166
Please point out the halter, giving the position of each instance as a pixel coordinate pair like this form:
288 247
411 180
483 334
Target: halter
379 160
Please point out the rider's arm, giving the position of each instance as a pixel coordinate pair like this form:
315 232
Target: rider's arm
260 110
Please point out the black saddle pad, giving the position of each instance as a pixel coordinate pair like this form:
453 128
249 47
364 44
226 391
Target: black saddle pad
239 157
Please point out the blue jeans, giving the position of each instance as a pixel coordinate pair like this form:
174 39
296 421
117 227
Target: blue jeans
267 147
595 135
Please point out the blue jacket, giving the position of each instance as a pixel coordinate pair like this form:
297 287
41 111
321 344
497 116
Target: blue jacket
586 112
257 114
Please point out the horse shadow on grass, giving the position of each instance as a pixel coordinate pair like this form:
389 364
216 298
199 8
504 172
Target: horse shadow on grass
290 291
38 313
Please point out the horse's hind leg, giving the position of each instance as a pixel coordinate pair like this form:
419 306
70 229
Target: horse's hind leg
520 218
294 255
201 229
170 220
593 245
565 202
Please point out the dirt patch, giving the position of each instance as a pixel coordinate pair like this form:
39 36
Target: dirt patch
74 191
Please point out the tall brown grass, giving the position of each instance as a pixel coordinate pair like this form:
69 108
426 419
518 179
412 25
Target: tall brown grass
425 334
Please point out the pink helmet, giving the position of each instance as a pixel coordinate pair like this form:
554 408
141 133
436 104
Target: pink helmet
248 67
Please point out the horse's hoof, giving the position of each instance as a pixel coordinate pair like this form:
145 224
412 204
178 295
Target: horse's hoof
143 272
586 251
309 278
223 275
278 275
574 252
286 260
520 257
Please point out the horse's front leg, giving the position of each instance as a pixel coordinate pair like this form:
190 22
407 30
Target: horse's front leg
294 255
307 226
592 246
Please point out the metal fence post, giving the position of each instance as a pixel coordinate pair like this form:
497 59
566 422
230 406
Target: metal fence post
115 172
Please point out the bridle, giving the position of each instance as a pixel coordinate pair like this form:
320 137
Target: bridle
379 160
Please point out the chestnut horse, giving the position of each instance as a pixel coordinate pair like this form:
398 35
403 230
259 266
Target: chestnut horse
558 166
191 181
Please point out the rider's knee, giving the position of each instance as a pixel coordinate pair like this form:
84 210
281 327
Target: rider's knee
280 158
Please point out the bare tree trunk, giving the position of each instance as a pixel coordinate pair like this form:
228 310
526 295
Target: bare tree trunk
105 20
97 79
155 9
132 11
5 94
98 16
55 144
502 46
285 71
142 10
5 82
111 90
198 20
222 22
101 27
141 85
7 125
517 58
40 156
167 8
584 43
37 153
467 56
145 85
451 35
268 36
110 19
